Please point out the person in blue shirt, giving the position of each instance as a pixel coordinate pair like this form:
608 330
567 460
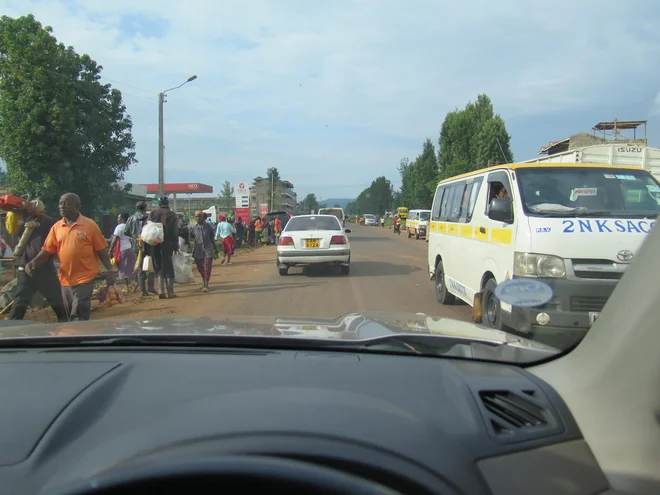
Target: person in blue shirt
224 231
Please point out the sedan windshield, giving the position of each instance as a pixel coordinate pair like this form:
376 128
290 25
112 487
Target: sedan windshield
424 216
313 223
585 191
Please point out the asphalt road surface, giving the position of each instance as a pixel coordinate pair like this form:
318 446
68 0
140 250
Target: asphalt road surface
388 273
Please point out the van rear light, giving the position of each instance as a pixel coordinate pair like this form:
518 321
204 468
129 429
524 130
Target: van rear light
286 241
337 239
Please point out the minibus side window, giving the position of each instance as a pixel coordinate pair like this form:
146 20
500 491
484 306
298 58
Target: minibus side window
456 201
437 203
446 202
498 186
476 187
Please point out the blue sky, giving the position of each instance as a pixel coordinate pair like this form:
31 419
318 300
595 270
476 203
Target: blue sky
335 93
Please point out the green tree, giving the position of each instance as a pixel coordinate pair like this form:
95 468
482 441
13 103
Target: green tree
472 138
336 205
60 128
309 204
226 198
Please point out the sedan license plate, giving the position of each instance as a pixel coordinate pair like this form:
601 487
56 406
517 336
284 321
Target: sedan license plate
312 243
592 317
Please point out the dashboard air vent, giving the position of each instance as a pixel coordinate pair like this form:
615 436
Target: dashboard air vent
510 411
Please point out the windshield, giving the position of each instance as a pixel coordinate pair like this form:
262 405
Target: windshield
312 223
589 191
227 160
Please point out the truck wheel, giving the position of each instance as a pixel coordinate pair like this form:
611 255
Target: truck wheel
490 307
441 294
416 234
409 234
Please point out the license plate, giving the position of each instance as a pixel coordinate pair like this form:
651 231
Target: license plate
312 243
309 327
592 318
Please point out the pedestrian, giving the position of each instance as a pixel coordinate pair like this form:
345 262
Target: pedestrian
277 229
44 278
240 231
163 252
121 250
140 248
258 227
184 235
203 248
78 243
224 231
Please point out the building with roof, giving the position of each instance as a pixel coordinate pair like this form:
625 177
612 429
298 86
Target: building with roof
280 193
602 133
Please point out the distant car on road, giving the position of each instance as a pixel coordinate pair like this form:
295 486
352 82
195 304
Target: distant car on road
314 239
370 220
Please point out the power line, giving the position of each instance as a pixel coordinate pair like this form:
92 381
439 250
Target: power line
128 85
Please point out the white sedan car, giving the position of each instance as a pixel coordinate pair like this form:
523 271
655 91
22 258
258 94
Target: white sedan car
314 239
371 220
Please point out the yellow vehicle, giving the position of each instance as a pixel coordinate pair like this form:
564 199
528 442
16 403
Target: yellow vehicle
402 211
417 223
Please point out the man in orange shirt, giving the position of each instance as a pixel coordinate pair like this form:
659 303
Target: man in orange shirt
78 243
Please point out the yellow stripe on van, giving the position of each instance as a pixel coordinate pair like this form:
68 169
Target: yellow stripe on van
442 228
501 236
482 236
466 231
452 228
433 226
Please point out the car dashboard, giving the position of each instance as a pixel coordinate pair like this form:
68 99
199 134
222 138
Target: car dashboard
77 420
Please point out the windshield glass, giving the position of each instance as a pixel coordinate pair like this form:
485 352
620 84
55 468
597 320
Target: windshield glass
313 223
589 191
141 179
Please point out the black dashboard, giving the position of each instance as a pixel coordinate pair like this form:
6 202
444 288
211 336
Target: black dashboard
71 418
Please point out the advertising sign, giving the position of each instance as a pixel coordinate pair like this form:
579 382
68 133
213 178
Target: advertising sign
263 208
242 189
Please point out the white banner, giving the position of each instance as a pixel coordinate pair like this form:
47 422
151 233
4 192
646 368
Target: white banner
242 201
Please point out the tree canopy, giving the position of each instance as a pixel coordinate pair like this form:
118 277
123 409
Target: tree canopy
226 198
61 130
375 199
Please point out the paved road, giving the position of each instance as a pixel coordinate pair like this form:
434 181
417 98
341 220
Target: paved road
388 273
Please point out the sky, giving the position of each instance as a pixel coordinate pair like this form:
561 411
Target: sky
334 93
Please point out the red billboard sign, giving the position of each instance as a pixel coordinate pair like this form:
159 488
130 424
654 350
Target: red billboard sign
263 208
180 188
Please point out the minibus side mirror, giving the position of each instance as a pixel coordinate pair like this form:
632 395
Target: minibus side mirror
501 210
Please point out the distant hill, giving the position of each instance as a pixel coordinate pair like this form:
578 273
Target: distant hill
342 202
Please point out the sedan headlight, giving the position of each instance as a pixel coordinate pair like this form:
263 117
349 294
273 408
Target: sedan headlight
538 265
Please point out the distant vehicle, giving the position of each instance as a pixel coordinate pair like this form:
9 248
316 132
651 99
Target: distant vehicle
402 212
282 215
336 212
417 223
370 220
314 239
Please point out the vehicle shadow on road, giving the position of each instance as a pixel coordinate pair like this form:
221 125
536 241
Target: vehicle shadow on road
247 288
358 269
361 238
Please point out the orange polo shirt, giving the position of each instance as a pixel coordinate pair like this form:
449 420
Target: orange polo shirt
76 247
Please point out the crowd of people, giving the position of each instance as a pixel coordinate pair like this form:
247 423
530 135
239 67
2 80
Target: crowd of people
80 247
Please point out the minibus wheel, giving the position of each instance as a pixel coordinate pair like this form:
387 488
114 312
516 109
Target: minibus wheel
490 306
441 293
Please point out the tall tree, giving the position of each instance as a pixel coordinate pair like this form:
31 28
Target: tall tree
472 138
226 198
309 204
61 129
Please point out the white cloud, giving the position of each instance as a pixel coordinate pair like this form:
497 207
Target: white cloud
273 75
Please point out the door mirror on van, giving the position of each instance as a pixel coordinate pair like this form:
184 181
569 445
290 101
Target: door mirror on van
501 210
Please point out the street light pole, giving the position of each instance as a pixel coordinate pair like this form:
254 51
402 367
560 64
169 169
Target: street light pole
161 144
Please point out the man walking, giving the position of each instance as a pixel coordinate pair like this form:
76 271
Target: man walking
204 248
78 243
163 252
141 249
43 279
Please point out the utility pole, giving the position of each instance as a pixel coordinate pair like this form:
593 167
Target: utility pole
272 191
161 147
161 144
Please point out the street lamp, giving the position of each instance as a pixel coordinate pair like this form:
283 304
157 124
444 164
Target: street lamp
161 145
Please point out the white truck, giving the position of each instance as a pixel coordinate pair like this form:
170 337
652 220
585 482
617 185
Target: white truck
634 155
